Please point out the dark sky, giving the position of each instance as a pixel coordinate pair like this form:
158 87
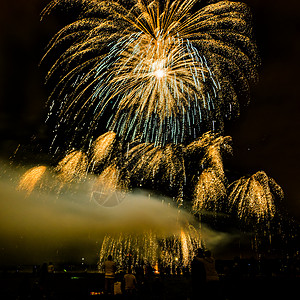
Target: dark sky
265 137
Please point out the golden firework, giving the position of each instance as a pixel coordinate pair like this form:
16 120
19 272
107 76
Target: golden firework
165 69
72 167
110 179
31 178
213 147
148 162
209 190
254 197
102 147
110 188
149 247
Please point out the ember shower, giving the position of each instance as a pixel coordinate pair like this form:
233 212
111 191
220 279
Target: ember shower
165 71
158 80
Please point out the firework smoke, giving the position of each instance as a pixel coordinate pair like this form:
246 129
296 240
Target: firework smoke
43 225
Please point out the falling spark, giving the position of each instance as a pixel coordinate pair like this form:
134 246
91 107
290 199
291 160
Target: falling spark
31 178
102 147
164 69
124 247
149 248
72 166
253 197
214 147
110 180
209 190
148 162
110 188
185 250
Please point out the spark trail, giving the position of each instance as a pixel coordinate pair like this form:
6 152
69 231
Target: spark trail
254 197
165 70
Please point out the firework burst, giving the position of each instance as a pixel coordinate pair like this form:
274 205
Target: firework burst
102 148
72 167
157 166
210 188
150 247
212 147
254 197
109 188
161 77
31 178
167 71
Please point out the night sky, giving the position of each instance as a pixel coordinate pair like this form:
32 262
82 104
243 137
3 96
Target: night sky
265 136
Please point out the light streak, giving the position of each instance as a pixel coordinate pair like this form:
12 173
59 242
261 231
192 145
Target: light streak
133 249
254 197
159 64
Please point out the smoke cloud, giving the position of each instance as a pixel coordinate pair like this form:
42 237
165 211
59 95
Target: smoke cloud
47 226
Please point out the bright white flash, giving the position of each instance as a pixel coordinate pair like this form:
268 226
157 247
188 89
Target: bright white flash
158 69
160 73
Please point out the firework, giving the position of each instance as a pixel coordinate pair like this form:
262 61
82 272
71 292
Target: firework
209 189
102 147
254 197
110 187
156 166
149 247
184 247
213 147
72 167
164 70
111 179
156 75
129 248
149 166
31 178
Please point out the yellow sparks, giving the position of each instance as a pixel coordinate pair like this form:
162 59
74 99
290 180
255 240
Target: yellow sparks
103 146
108 180
140 247
72 166
31 178
110 188
184 246
157 166
160 64
214 147
210 188
151 247
254 197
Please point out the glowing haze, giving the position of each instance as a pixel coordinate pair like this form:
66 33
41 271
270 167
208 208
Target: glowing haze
74 225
